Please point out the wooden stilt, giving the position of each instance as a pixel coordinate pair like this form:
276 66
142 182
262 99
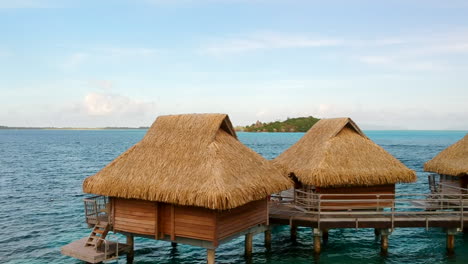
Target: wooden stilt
131 252
450 242
384 233
317 235
174 244
268 239
248 244
384 244
325 235
293 232
210 256
317 246
376 232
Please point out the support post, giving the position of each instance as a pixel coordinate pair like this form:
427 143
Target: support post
384 233
130 254
325 235
317 237
293 232
451 240
173 244
210 256
376 232
248 245
268 239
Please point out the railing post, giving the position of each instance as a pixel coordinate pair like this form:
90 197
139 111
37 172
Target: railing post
294 195
95 211
461 211
319 210
393 214
86 210
378 202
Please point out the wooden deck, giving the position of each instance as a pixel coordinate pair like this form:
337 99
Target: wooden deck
289 215
78 250
325 211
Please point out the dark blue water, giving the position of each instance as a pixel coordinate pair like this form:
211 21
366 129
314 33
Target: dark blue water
41 206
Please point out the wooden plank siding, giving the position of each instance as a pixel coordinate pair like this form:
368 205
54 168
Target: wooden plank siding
134 216
162 219
165 223
238 219
372 191
195 222
452 184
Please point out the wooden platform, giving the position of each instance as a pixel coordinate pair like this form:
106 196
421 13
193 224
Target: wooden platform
78 250
288 215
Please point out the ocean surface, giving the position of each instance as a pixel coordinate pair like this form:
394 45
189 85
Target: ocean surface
41 207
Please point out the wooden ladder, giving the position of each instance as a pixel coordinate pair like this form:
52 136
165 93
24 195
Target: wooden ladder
98 234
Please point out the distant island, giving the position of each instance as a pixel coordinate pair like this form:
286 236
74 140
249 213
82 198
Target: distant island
298 124
73 128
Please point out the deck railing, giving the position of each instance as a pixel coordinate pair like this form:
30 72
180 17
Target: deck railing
96 208
387 207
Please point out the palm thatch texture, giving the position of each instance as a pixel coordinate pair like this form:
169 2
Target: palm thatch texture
336 153
192 159
451 161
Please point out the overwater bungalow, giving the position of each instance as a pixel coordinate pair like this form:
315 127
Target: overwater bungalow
336 167
189 180
335 157
451 165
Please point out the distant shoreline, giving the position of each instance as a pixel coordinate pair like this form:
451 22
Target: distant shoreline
237 131
70 128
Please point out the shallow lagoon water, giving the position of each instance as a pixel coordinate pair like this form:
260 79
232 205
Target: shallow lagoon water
41 206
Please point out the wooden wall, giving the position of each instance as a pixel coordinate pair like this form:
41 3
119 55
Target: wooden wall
453 181
235 220
134 216
187 221
370 192
162 219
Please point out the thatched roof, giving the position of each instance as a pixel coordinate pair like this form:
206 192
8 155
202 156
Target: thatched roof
335 152
452 160
192 159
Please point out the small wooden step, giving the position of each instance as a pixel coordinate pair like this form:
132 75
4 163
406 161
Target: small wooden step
101 224
97 235
98 231
90 243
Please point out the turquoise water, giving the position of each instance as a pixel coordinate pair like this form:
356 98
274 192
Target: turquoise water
41 206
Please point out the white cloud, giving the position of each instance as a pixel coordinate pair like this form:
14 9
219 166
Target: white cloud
261 41
419 53
106 55
376 60
119 52
101 84
402 63
106 104
443 48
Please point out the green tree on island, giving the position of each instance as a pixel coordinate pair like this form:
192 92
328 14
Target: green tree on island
298 124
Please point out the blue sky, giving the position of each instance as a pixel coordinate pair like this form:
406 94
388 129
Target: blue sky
386 64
